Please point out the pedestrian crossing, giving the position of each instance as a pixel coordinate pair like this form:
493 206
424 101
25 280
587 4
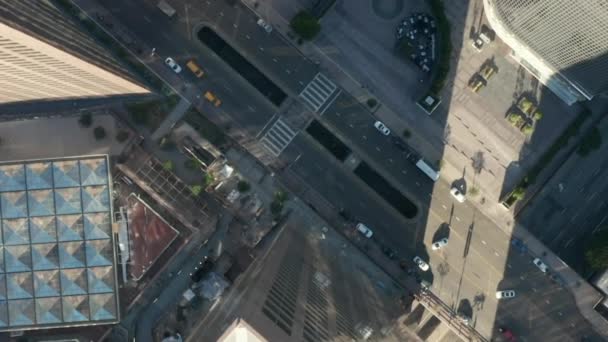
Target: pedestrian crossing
317 92
278 137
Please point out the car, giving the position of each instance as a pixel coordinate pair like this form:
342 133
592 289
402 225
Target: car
363 229
477 44
439 244
389 252
457 194
266 26
507 333
382 128
541 265
400 145
421 263
203 268
505 294
173 65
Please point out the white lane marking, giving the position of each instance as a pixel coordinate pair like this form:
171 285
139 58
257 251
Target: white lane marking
418 184
444 207
247 36
484 242
377 148
457 218
147 19
364 137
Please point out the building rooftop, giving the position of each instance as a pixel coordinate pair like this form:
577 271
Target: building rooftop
57 263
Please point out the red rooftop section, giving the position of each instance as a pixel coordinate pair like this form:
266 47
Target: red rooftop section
149 236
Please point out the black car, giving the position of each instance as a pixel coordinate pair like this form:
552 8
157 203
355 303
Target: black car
389 252
202 269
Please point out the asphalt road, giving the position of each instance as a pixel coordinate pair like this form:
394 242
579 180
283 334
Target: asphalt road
474 263
572 206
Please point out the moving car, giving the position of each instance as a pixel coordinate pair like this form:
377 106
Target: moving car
389 252
266 26
505 294
439 244
209 96
363 229
173 65
541 265
421 263
459 196
382 128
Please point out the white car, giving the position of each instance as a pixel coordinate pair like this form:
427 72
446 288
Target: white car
421 263
363 229
266 26
459 196
382 128
173 65
505 294
541 265
439 244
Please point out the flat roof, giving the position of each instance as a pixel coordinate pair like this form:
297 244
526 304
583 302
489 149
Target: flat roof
57 263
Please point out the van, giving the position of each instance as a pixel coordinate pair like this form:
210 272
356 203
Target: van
196 70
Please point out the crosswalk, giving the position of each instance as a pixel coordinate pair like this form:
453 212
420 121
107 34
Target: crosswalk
317 92
278 137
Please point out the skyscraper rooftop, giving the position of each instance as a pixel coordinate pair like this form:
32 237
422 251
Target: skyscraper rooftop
56 247
563 42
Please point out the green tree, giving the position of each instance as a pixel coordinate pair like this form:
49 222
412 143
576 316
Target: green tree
596 253
407 133
168 165
99 133
243 186
305 24
196 189
86 119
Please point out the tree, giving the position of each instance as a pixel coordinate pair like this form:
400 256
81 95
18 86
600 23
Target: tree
190 164
243 186
168 165
99 133
196 189
596 254
305 24
86 120
407 133
371 103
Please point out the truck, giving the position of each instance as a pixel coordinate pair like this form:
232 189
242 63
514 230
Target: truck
166 8
212 98
196 70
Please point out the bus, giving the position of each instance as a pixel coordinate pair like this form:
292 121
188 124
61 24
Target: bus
428 170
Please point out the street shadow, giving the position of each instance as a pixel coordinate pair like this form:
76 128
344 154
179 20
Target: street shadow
442 232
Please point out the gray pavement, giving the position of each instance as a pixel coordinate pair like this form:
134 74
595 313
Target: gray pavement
466 215
171 120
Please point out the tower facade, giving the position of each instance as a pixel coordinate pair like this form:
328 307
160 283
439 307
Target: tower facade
564 43
45 55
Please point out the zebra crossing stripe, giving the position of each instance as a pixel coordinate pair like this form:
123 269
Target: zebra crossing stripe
318 91
278 136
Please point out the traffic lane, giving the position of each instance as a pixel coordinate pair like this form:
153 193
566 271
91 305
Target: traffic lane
321 170
269 50
220 78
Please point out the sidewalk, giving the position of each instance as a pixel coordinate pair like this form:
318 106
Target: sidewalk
586 296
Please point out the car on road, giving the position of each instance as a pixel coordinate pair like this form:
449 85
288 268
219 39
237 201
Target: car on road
170 62
421 263
457 194
382 128
363 229
439 244
541 265
507 333
505 294
266 26
389 252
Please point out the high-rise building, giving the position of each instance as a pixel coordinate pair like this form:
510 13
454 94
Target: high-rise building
564 43
44 54
308 285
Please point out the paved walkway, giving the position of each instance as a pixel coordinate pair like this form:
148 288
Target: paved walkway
586 296
176 114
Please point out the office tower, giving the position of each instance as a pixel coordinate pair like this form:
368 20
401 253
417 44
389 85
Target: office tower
45 54
564 43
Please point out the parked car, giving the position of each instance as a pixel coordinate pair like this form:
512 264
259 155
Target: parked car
363 229
173 65
382 128
266 26
541 265
505 294
477 44
389 252
421 263
439 244
459 196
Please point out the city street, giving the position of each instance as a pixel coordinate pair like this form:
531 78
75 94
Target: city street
478 256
